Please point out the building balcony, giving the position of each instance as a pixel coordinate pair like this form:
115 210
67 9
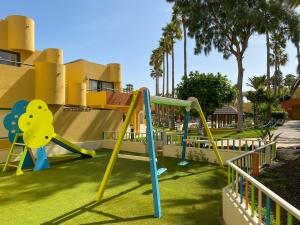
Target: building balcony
108 99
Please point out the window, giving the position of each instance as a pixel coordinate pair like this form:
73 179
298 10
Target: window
107 86
9 58
93 85
96 85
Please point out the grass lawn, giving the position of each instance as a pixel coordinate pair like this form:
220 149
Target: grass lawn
65 194
253 133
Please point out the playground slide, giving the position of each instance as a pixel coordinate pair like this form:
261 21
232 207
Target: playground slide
71 147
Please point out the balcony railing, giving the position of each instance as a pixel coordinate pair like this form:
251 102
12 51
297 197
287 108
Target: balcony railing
103 89
15 62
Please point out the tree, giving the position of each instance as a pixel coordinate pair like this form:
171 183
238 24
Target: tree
270 101
215 90
276 15
295 86
258 95
277 82
227 25
179 15
278 57
156 60
293 32
172 32
289 80
272 12
257 82
292 4
165 45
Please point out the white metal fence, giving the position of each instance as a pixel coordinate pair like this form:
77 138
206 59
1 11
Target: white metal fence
261 205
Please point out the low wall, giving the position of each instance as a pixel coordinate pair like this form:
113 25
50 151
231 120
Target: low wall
192 153
233 213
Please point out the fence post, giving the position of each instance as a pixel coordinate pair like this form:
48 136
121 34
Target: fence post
255 164
132 134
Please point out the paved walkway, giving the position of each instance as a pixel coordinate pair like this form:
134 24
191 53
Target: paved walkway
289 134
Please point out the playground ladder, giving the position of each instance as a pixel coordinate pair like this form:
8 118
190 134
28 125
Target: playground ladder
11 153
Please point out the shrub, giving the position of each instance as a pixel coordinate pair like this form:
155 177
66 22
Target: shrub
279 115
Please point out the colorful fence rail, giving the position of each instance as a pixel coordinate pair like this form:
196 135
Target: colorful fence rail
192 140
261 205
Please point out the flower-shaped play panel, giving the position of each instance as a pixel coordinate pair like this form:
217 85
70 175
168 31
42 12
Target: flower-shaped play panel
36 124
11 120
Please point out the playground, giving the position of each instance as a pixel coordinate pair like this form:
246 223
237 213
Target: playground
65 193
78 148
183 188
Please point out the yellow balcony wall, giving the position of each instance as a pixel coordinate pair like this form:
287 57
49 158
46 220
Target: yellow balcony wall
97 99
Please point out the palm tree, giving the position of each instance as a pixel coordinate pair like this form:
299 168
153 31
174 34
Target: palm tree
294 35
178 15
295 86
155 75
172 32
270 100
156 60
165 44
257 82
292 3
258 96
278 57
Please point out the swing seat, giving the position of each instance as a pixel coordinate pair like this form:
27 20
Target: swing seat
160 171
183 163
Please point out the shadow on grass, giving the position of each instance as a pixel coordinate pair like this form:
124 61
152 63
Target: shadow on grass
90 208
211 198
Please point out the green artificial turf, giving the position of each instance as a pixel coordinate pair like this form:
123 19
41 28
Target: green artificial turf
65 194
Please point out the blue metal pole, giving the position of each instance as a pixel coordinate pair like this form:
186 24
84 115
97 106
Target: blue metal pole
241 190
151 149
183 152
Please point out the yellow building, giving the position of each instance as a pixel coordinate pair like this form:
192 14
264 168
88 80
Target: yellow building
76 92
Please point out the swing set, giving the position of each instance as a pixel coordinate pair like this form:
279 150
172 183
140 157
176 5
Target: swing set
191 103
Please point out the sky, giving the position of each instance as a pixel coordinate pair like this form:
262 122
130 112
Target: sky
126 32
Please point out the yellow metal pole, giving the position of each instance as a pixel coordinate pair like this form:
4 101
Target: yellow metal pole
117 146
195 104
210 137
